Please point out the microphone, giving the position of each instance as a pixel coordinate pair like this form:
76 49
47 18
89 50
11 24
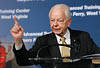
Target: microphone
51 46
38 58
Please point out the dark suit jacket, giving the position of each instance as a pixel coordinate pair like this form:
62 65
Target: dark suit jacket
81 44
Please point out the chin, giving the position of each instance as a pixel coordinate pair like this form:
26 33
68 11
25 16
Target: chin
57 33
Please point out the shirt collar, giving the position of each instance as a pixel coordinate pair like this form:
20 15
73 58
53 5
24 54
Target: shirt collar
67 35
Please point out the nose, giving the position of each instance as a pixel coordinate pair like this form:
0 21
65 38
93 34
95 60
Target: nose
55 23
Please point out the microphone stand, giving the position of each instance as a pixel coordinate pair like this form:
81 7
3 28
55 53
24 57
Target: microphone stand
53 60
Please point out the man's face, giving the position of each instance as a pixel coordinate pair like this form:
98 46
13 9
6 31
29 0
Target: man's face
59 22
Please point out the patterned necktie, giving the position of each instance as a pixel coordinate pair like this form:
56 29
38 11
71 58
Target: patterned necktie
65 50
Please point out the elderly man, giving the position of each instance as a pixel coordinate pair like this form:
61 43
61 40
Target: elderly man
60 20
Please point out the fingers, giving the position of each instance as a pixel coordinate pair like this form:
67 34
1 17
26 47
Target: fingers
21 29
16 28
16 21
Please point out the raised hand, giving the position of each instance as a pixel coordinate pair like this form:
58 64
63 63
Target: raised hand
17 32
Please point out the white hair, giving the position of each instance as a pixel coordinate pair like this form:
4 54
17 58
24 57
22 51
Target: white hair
62 6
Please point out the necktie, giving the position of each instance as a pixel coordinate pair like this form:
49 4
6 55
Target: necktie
65 50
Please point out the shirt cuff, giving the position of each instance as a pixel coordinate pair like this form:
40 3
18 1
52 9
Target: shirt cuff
18 47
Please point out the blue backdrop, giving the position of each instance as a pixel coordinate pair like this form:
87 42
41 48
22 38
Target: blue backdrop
33 17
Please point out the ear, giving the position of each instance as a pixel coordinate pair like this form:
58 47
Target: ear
69 22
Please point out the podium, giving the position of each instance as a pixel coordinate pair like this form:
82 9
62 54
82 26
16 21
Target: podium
57 61
94 57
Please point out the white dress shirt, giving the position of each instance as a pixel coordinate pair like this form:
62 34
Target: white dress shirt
68 40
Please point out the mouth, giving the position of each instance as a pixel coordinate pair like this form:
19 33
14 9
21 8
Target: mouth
56 28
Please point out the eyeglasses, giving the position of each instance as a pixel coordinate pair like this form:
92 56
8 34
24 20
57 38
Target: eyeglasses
60 20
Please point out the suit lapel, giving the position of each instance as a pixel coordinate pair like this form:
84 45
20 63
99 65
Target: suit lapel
54 49
75 37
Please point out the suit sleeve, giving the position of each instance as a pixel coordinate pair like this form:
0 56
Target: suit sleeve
23 55
92 47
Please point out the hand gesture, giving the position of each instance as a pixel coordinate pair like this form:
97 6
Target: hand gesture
17 32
